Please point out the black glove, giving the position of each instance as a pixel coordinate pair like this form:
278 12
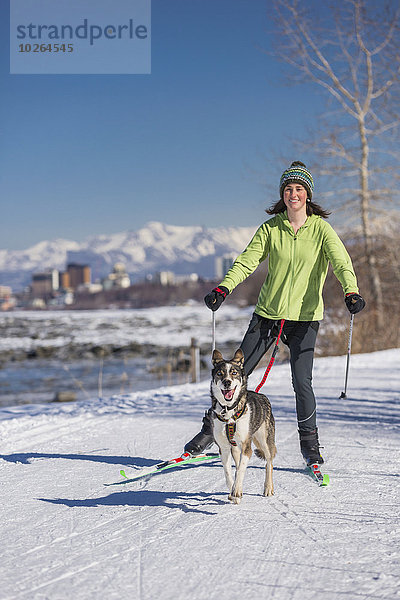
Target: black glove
354 303
215 298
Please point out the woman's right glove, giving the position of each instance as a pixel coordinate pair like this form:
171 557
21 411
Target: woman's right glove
354 303
215 298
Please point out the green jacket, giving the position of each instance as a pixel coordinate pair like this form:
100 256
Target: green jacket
297 268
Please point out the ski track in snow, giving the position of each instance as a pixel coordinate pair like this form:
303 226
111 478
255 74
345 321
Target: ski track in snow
176 536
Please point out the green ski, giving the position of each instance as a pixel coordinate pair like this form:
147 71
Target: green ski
180 461
321 478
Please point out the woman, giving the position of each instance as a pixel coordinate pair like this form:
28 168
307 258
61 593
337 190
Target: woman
299 244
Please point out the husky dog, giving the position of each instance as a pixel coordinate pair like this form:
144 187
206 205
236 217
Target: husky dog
242 416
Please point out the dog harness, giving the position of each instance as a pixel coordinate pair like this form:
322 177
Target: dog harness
231 427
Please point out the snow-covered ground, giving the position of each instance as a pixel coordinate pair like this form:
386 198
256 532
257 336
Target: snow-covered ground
65 535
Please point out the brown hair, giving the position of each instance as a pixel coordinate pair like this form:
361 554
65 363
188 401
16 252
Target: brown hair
312 209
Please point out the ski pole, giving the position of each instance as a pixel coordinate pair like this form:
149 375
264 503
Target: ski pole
343 394
213 331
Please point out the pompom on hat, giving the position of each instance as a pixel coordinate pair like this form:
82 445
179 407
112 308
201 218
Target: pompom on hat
297 173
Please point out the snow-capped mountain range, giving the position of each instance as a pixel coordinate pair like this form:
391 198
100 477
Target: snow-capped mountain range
154 247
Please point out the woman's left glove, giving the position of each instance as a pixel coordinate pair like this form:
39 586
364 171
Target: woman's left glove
354 303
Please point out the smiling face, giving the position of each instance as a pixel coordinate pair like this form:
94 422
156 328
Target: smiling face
227 378
226 383
295 198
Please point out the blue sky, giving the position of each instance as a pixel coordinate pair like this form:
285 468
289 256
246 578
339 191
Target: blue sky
202 140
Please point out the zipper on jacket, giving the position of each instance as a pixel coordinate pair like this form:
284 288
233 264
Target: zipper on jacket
292 274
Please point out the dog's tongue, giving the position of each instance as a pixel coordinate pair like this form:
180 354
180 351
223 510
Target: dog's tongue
228 394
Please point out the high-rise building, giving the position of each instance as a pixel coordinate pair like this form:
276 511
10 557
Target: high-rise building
64 280
78 275
43 284
223 264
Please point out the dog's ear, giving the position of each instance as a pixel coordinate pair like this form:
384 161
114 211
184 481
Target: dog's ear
239 357
216 357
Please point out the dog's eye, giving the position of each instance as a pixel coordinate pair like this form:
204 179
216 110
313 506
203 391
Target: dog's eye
220 373
234 372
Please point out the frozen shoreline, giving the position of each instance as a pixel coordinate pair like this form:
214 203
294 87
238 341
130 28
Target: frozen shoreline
43 353
171 326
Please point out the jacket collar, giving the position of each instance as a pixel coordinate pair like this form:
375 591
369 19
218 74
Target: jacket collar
286 223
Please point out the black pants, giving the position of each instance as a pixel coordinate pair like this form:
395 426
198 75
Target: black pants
300 337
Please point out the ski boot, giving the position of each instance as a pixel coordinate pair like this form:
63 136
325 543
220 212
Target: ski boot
204 439
309 446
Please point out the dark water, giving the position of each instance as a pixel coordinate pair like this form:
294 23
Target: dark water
38 381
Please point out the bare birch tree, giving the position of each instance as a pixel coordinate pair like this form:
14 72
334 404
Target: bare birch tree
352 53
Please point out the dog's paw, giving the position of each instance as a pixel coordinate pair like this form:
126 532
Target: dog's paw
235 499
269 492
235 496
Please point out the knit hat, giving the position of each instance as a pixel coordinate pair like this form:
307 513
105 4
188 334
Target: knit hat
297 173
